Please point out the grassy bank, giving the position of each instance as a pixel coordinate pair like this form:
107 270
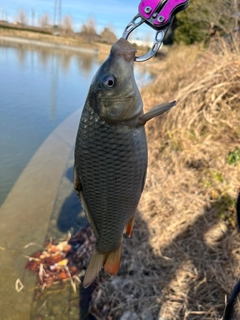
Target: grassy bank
183 257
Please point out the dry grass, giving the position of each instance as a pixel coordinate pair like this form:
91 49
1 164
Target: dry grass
184 257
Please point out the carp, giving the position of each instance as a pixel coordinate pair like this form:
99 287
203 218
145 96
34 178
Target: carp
111 156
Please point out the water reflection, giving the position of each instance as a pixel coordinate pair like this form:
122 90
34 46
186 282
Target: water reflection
43 58
54 87
65 61
21 56
41 88
84 64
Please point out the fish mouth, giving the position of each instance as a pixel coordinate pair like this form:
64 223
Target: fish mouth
124 49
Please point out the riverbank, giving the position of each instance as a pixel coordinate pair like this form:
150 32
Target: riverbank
50 45
75 43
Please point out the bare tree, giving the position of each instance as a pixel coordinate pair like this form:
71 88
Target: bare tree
22 17
67 24
88 30
108 35
44 21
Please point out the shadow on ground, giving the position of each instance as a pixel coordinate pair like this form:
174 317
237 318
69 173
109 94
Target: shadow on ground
185 278
70 217
59 302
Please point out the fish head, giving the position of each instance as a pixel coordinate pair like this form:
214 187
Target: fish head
114 92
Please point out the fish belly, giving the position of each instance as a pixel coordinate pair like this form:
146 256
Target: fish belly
111 162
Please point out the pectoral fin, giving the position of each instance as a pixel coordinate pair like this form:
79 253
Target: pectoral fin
156 111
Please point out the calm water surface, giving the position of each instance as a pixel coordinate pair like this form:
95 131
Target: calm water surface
39 89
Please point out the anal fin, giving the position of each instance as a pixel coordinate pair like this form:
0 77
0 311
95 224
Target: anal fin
129 226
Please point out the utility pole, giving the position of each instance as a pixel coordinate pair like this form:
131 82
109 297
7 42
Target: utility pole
60 12
57 12
33 17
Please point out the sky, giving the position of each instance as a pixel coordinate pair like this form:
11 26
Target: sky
114 13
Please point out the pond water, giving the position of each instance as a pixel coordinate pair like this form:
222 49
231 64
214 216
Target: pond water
39 89
42 92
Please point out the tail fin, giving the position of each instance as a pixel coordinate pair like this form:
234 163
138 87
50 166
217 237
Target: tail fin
95 265
113 260
110 261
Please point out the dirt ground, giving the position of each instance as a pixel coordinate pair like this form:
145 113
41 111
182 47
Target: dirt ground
183 258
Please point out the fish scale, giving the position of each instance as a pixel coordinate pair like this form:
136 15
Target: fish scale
112 165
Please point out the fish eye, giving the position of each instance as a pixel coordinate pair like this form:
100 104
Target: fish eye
108 81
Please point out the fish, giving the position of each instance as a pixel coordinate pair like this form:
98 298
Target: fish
111 156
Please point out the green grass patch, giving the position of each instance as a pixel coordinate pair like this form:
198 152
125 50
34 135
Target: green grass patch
234 157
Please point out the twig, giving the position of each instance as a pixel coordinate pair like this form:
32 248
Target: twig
29 245
71 280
